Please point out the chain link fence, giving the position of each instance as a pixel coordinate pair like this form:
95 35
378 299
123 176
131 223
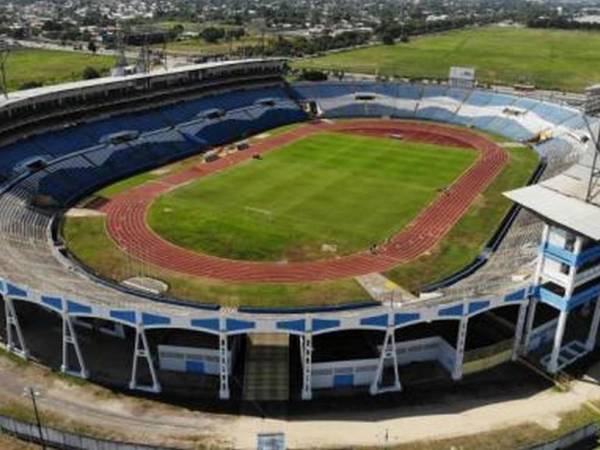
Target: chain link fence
57 439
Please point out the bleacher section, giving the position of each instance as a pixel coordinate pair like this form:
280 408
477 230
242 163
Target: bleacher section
517 118
85 155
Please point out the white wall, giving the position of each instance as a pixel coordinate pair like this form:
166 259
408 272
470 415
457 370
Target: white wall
363 371
557 236
176 358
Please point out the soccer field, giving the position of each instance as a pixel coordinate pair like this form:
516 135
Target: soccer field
568 60
325 195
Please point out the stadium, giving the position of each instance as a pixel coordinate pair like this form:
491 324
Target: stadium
226 174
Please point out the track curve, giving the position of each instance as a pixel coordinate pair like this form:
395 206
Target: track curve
126 213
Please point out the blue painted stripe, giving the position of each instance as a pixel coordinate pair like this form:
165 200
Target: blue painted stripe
452 311
324 324
126 316
207 324
564 304
516 296
194 367
375 321
78 308
292 325
52 302
153 319
15 291
478 306
402 318
559 254
343 380
239 325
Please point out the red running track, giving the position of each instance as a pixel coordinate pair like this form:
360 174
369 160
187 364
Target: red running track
126 213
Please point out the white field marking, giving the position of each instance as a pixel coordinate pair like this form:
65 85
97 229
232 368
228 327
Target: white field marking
265 212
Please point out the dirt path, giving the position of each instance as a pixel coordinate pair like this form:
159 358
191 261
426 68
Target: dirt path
126 213
153 422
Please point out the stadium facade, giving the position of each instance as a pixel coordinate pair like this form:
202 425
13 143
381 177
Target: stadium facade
61 143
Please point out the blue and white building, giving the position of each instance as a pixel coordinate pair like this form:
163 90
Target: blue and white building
567 275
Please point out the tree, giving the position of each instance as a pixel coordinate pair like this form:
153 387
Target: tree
236 33
213 34
92 47
387 39
177 29
313 75
90 73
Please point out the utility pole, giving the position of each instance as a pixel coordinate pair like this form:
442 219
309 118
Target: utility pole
32 394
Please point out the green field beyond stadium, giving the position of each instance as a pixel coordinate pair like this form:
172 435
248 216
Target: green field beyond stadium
26 67
552 59
325 195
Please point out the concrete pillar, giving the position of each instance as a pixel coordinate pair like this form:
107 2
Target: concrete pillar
520 325
558 337
541 255
224 393
529 327
69 338
388 353
307 348
141 350
15 342
460 348
590 343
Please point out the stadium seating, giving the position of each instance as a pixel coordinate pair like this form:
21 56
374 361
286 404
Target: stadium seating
81 154
58 143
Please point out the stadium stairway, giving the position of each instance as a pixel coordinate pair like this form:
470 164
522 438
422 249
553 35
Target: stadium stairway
267 372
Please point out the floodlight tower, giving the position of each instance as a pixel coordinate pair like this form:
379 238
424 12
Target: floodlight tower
4 53
121 50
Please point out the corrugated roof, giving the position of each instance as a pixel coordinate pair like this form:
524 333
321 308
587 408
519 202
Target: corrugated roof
562 199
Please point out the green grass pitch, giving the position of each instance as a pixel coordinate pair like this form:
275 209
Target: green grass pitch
554 59
339 190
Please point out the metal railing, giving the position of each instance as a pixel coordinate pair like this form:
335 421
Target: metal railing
58 439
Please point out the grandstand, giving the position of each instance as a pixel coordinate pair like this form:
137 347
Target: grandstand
61 143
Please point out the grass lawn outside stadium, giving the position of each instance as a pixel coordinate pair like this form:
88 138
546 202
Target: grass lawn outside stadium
330 188
51 67
550 59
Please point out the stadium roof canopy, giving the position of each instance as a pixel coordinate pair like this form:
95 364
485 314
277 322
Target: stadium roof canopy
562 199
16 96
